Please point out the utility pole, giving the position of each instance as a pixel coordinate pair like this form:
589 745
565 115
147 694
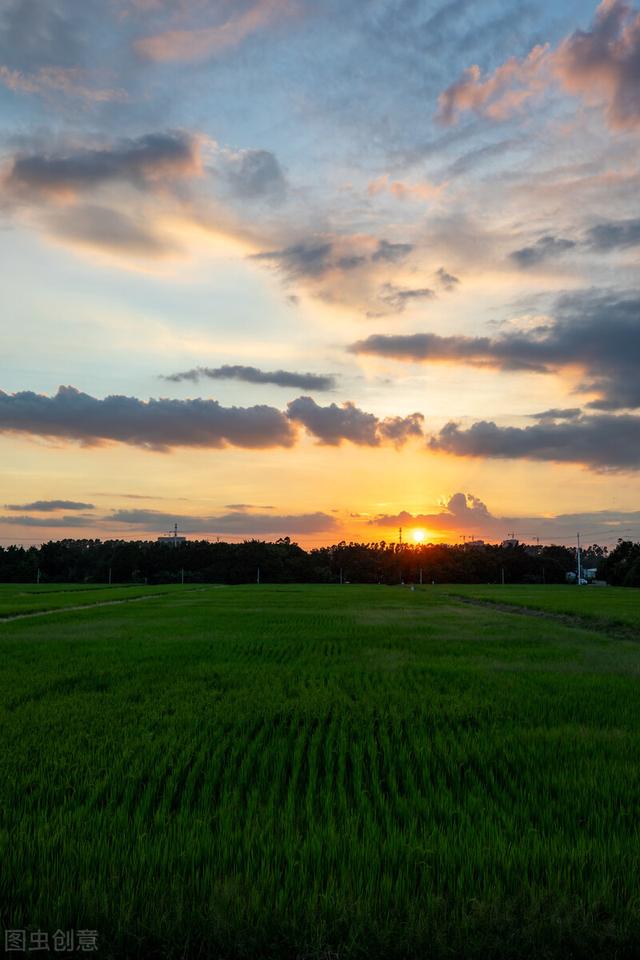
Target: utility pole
578 559
400 532
38 576
109 576
258 576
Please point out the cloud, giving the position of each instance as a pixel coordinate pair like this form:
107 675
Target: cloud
141 162
508 353
397 298
54 522
314 258
306 259
248 506
556 413
71 81
344 269
109 229
34 33
597 332
466 514
281 378
446 280
614 234
542 249
404 191
602 441
392 252
600 65
204 42
165 424
46 506
462 509
498 95
154 424
255 174
236 522
333 424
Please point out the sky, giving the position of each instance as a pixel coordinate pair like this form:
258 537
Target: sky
321 270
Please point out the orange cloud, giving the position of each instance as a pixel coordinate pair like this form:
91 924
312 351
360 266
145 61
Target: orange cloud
404 191
501 93
600 65
197 44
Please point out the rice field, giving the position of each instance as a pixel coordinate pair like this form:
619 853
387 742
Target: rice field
602 606
319 772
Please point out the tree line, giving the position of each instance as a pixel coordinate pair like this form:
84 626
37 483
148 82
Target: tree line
284 561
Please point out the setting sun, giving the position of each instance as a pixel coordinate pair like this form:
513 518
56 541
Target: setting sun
419 535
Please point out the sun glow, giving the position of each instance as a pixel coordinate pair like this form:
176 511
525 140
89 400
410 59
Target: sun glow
419 535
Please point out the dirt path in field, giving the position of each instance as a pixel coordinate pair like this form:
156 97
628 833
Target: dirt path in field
84 606
619 631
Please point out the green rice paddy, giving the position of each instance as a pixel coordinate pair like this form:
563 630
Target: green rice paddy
322 772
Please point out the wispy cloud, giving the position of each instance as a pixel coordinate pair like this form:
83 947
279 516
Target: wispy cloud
280 378
235 523
70 81
202 42
48 506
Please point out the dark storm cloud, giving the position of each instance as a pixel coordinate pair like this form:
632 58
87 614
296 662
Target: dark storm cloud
139 162
614 234
599 441
237 522
281 378
598 332
154 424
333 424
46 506
542 249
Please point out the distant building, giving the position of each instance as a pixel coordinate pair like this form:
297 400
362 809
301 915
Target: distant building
475 545
511 543
173 539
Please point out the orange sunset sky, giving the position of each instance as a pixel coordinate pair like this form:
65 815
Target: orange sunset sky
316 269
